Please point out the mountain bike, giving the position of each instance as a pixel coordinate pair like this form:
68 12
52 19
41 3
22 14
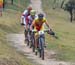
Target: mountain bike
28 41
41 43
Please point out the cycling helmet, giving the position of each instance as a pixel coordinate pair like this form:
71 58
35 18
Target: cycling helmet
40 16
29 8
32 12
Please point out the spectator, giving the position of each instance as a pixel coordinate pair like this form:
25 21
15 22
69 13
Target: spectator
1 7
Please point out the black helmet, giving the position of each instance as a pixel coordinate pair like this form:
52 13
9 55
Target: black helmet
40 16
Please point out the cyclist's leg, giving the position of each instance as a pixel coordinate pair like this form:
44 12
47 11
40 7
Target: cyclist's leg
29 32
25 32
27 26
36 39
36 43
42 28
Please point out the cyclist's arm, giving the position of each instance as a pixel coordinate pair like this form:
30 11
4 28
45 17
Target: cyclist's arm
47 25
22 20
32 25
24 14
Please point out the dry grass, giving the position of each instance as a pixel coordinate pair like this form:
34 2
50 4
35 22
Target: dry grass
59 21
10 23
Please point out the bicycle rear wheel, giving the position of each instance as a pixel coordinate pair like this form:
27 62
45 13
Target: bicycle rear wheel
28 39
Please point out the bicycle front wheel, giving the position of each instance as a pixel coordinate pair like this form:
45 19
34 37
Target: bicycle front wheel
41 47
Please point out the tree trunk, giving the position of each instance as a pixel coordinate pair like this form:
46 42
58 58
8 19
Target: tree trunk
12 2
3 4
54 4
74 14
71 15
62 3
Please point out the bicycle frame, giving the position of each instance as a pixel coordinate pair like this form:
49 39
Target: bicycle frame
41 42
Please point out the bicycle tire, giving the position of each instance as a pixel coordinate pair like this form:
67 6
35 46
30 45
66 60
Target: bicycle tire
41 47
32 42
42 54
28 39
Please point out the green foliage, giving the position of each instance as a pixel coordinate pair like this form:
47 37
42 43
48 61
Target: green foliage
55 3
70 5
18 5
65 44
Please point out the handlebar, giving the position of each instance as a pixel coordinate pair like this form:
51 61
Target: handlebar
46 30
52 33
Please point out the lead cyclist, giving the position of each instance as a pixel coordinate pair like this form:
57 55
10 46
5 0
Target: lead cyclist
38 24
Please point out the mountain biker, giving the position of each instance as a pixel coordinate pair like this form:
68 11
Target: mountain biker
38 26
24 15
31 17
24 18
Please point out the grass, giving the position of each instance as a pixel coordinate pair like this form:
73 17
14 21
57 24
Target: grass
10 23
59 21
18 5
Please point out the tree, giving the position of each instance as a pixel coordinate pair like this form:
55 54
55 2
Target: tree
70 6
3 3
62 3
58 3
54 4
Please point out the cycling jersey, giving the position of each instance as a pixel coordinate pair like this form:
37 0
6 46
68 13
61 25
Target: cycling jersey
30 19
25 13
25 16
38 25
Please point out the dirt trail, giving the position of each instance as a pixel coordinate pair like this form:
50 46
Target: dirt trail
17 41
36 4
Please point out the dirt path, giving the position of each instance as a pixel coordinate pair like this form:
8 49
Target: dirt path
17 41
36 4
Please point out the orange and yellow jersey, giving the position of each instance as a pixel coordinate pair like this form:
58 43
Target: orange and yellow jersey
1 3
38 25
